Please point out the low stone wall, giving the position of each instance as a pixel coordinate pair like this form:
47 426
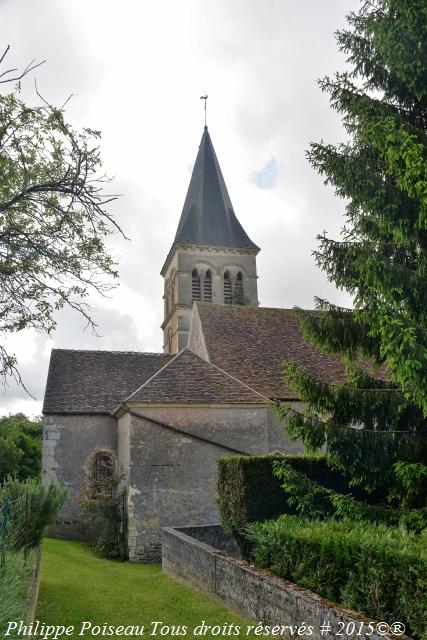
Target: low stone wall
214 536
257 594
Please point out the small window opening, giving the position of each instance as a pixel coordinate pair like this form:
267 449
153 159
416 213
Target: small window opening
228 294
102 467
207 287
195 285
238 289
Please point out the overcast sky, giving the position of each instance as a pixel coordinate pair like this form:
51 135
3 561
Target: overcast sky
137 70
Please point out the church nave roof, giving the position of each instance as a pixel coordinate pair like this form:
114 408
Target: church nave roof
96 381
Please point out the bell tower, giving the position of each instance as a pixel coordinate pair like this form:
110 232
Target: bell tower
212 259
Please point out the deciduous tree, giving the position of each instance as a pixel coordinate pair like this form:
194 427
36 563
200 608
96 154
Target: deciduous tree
54 217
20 447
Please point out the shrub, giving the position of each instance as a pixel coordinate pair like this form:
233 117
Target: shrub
33 507
378 570
105 505
26 509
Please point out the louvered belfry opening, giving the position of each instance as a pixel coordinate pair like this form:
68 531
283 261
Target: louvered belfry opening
207 287
195 285
228 293
238 288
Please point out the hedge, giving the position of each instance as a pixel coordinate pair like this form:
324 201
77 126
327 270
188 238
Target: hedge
378 570
249 492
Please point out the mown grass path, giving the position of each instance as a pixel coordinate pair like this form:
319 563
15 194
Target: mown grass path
78 586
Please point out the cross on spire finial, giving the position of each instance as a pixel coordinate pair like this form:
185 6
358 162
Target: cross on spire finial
205 98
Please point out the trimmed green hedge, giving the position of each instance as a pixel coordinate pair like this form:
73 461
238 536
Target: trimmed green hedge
378 570
249 492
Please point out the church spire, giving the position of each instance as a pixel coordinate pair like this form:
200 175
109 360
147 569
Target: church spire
212 259
208 217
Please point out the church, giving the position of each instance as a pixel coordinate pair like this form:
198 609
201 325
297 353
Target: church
162 420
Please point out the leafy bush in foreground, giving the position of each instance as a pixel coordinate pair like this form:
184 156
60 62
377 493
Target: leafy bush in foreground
378 570
33 507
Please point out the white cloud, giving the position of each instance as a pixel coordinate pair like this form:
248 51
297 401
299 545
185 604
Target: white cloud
138 70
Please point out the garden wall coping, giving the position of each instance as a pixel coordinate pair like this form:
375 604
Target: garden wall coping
258 594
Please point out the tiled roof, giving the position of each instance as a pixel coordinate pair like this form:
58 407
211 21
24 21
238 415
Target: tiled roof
190 379
251 343
96 381
208 217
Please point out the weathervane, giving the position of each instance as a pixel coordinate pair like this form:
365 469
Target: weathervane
205 97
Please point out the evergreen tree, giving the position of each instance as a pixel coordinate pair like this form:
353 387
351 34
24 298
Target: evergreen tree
378 417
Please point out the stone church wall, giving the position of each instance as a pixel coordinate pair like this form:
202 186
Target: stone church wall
68 443
172 475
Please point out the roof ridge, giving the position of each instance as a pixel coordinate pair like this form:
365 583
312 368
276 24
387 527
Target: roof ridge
142 353
246 307
153 376
229 375
195 355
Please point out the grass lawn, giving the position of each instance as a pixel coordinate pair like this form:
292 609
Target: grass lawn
77 586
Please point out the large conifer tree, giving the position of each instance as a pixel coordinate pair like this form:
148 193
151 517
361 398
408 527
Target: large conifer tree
379 416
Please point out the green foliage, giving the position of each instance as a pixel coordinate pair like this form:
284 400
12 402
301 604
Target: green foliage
20 446
105 505
378 570
33 507
15 578
53 218
366 428
239 297
314 501
248 491
243 484
376 418
26 509
412 479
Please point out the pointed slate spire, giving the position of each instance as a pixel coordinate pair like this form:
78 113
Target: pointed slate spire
208 217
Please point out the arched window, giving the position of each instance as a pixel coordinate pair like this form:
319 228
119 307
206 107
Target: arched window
195 285
207 287
102 467
238 289
228 294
